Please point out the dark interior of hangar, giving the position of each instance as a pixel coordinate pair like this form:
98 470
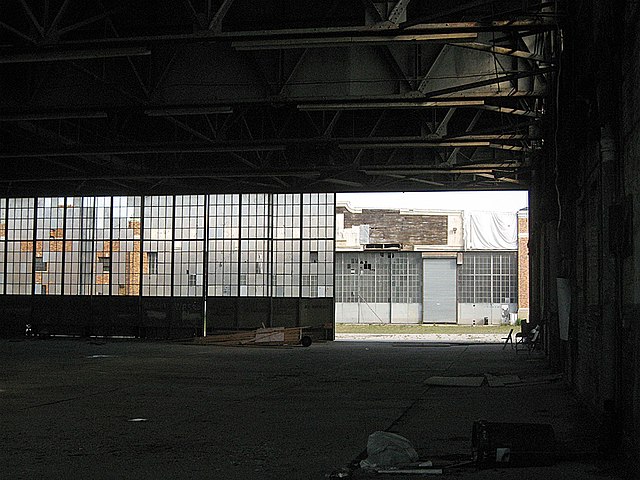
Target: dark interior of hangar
104 99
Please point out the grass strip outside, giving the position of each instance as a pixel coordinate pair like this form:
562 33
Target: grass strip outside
422 329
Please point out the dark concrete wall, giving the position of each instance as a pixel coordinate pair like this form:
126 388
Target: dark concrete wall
588 230
158 317
628 233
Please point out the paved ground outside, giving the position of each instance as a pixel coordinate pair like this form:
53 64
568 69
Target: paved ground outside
93 409
426 328
448 338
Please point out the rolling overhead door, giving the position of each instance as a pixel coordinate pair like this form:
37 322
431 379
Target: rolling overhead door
439 290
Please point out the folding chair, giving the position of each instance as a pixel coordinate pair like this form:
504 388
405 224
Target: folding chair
508 339
522 334
530 340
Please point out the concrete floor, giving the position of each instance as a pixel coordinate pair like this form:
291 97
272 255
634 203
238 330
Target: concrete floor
266 413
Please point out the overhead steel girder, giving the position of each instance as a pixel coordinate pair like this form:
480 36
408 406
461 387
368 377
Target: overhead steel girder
118 91
531 25
324 42
211 63
280 144
58 55
315 173
512 52
233 81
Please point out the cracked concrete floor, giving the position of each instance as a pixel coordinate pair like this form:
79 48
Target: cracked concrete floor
149 410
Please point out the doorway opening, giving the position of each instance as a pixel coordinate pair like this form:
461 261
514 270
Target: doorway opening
436 265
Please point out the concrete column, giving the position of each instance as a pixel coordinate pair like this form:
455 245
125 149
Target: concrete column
551 297
609 45
609 278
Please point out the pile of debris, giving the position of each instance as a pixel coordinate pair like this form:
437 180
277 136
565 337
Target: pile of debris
262 336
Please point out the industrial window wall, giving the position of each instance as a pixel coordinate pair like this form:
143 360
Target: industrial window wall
378 287
169 258
487 286
404 287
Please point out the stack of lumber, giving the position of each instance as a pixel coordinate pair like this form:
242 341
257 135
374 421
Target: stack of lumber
261 336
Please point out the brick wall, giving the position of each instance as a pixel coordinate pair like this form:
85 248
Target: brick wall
132 271
391 226
523 264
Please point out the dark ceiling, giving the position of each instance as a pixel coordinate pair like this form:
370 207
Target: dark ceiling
218 96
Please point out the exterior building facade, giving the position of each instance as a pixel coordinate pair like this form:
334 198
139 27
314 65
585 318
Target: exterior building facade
436 266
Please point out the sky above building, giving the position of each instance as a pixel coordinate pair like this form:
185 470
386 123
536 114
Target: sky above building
503 201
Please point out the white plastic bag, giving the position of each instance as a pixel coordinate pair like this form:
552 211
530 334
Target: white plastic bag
386 449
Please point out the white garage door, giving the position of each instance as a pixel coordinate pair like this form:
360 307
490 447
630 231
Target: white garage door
439 290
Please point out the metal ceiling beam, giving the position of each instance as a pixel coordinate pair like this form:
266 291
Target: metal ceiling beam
32 18
492 176
532 24
141 150
423 144
314 173
376 17
386 30
193 13
398 11
498 136
500 50
178 175
513 148
454 154
409 179
390 105
17 32
279 144
67 55
54 24
491 81
396 102
332 124
216 22
18 117
112 86
453 170
141 82
324 42
511 111
226 81
98 161
339 181
90 20
179 111
442 127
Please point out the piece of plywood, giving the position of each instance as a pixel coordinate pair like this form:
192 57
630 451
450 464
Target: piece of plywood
270 335
501 380
455 381
261 336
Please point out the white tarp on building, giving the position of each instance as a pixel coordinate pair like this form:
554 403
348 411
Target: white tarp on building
491 231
